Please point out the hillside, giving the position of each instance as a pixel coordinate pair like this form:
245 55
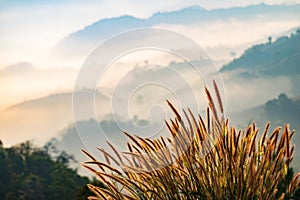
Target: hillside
279 111
281 57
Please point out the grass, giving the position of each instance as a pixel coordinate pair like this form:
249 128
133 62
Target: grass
202 159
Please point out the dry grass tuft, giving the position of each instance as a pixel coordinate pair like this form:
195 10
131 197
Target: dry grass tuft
200 160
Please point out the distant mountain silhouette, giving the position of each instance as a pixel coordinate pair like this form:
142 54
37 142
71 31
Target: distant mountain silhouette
92 134
279 111
40 119
281 57
104 28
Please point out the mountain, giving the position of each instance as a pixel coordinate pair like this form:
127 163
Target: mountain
92 134
43 118
281 57
195 14
279 111
263 71
190 18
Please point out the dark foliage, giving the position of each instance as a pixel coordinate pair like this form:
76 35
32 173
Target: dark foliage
29 173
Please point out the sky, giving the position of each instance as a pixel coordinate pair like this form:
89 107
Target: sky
29 30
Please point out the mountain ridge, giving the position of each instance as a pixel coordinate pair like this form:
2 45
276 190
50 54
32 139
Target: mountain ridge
281 57
106 27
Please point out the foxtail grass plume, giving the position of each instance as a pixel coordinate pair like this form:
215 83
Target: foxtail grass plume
220 162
